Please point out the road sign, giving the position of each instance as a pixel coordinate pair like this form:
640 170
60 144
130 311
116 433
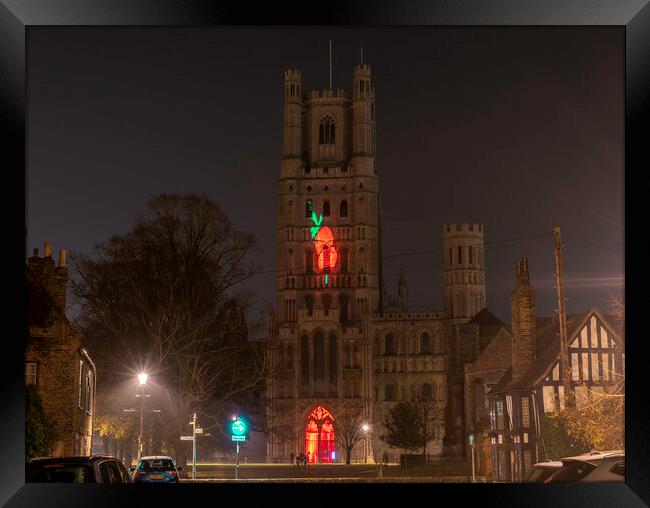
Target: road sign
238 428
239 438
198 431
186 438
471 439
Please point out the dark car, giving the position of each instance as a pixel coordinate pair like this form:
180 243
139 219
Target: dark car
542 470
92 469
594 467
156 469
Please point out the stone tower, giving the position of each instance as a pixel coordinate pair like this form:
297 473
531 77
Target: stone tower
463 271
522 301
328 258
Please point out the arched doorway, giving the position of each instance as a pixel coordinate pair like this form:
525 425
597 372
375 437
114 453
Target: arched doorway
319 436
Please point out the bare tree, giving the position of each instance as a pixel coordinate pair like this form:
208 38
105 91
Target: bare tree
165 298
348 431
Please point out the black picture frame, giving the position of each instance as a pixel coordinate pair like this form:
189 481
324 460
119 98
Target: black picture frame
17 16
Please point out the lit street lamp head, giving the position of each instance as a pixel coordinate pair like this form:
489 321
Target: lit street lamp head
365 427
142 377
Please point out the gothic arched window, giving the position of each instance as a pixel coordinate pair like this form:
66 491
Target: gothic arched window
333 353
344 253
327 303
390 392
304 363
389 344
319 361
327 131
308 208
326 209
425 344
309 262
343 209
426 392
309 304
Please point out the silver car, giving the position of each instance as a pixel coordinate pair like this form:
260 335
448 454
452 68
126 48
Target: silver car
593 467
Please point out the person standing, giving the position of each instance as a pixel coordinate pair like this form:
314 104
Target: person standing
292 457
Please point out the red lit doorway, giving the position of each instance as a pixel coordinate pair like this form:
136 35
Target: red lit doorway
319 437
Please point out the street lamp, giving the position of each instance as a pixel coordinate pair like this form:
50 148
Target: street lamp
142 377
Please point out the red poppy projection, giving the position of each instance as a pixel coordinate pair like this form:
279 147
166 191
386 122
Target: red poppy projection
324 243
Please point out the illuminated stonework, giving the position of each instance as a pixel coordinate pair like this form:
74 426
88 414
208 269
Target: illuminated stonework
343 349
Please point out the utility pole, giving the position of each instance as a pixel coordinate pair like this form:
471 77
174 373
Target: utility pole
569 400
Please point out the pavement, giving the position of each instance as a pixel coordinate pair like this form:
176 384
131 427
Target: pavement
443 472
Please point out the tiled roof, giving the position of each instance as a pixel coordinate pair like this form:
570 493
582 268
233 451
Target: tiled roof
547 343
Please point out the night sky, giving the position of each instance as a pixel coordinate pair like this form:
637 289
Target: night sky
517 128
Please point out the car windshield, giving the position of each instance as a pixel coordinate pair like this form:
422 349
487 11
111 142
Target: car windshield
156 465
539 474
571 472
59 473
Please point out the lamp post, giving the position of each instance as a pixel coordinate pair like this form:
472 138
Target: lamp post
365 428
142 378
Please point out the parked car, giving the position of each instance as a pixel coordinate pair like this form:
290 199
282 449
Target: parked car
542 470
156 469
92 469
591 467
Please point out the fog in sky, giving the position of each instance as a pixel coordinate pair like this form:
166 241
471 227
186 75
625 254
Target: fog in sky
518 129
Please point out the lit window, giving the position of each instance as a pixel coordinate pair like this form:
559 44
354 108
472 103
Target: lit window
549 399
525 412
500 419
30 373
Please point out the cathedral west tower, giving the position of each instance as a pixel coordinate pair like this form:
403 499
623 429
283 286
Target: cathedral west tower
328 275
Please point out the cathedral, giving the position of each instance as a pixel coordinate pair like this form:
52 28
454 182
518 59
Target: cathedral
344 351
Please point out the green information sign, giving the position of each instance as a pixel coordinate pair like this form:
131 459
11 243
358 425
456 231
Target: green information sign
238 428
238 438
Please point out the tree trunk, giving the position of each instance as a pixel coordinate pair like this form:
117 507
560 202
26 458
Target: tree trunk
348 453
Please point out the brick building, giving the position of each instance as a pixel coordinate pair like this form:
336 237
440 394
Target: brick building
55 362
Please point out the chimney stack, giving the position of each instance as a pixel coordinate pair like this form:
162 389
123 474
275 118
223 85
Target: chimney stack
522 301
47 250
61 258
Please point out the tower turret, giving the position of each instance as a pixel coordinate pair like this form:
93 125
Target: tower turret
522 301
292 123
363 121
463 266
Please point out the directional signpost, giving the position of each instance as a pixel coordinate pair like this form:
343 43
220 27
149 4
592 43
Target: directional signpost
238 431
471 443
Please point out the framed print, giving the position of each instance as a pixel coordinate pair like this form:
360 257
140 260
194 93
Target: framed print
378 249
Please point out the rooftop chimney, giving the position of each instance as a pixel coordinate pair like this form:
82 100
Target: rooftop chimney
522 301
